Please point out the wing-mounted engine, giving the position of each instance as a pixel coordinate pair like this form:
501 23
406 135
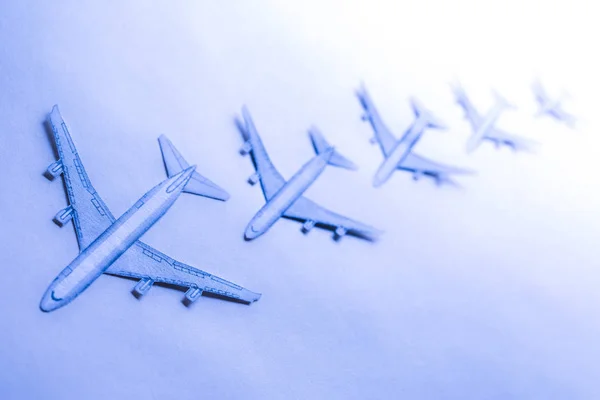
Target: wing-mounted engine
192 294
63 216
142 287
254 178
246 148
308 226
339 233
54 170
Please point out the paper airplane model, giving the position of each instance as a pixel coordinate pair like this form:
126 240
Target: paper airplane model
284 198
112 246
483 125
550 107
397 153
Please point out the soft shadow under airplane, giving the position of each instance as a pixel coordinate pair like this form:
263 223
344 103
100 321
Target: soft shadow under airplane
111 246
284 198
551 107
398 153
483 125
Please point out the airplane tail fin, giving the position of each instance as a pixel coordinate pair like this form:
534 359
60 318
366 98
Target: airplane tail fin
501 102
538 90
175 163
457 88
321 145
421 112
365 101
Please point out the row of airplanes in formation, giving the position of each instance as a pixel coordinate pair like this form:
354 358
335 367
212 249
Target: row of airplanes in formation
112 246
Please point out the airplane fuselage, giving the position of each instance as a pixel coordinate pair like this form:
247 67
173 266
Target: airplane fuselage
113 242
399 153
287 195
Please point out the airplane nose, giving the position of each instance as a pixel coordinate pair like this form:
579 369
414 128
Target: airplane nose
249 234
48 303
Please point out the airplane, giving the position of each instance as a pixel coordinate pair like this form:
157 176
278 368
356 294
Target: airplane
550 107
284 198
483 125
112 246
398 153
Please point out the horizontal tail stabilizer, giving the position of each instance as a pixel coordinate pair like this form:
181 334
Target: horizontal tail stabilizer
423 113
320 145
198 184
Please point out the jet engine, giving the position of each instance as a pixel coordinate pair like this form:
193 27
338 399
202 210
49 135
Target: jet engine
254 178
192 295
63 216
340 232
54 170
142 287
245 149
307 226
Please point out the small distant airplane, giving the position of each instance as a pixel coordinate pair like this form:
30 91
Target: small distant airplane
284 198
398 154
483 126
550 107
111 246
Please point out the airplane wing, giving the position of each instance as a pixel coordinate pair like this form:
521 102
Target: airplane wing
383 136
91 217
421 165
516 142
151 266
90 214
270 179
307 210
562 115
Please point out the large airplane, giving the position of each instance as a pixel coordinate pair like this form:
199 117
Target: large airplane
284 198
550 107
397 153
112 246
483 125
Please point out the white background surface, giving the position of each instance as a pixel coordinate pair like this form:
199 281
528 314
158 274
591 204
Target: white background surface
484 292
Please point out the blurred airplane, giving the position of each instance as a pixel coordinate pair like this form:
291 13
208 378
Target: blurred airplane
284 198
550 107
483 126
111 246
398 153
